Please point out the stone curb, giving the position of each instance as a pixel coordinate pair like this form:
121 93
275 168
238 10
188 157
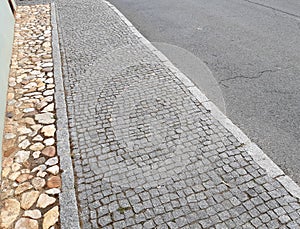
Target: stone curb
67 198
254 151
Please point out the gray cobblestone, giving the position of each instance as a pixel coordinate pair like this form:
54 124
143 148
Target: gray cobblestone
284 219
147 154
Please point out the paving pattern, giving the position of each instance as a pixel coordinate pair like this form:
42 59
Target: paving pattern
147 154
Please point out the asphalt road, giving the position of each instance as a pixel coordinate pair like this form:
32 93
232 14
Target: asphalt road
252 49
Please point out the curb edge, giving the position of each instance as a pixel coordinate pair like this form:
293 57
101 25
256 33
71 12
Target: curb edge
69 217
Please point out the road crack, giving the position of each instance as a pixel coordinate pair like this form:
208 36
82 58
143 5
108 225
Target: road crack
295 16
258 75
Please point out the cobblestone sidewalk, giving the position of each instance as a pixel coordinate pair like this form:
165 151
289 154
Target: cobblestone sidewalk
147 153
30 181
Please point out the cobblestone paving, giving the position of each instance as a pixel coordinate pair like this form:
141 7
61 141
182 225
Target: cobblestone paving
30 178
147 154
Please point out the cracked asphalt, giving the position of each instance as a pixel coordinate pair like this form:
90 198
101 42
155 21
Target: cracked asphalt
258 75
253 51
